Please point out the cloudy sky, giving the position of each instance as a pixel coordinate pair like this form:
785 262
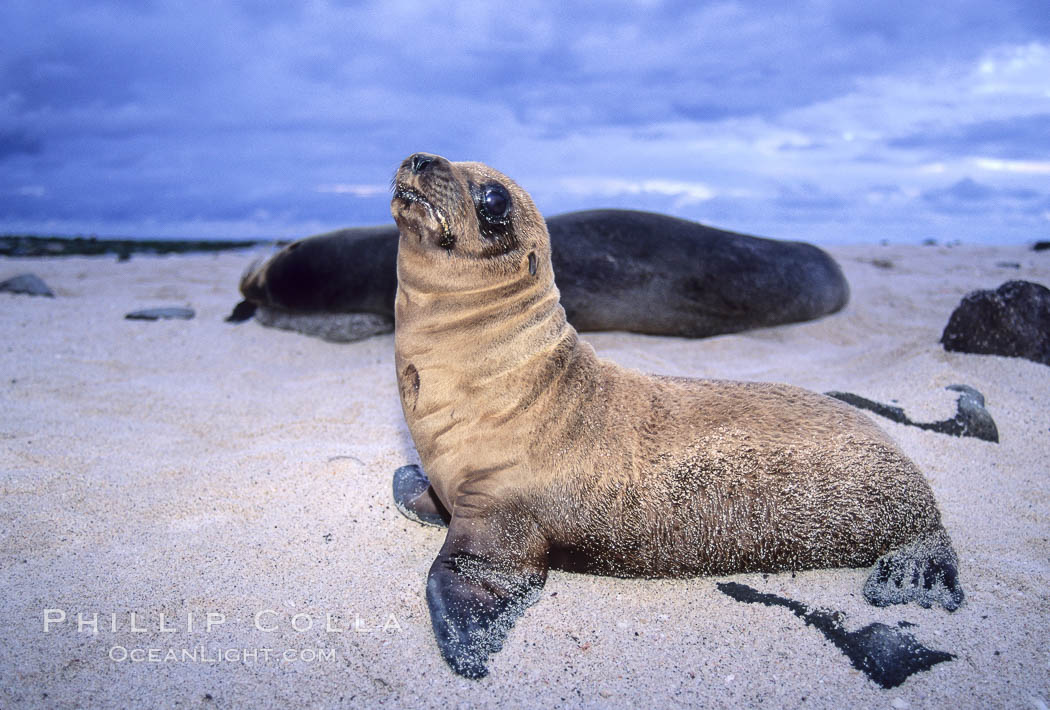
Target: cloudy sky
828 120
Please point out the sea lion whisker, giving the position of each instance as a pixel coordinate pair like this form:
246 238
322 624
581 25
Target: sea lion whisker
409 194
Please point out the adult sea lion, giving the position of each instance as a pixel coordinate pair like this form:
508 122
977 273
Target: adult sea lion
617 270
540 454
338 286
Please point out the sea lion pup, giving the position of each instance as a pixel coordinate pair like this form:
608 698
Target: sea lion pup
539 454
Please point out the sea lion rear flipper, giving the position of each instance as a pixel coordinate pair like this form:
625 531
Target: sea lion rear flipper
477 589
924 571
416 500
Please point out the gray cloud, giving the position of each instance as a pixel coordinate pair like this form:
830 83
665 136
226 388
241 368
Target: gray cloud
127 113
18 143
968 197
1015 138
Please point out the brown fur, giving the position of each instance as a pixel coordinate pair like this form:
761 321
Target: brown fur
521 428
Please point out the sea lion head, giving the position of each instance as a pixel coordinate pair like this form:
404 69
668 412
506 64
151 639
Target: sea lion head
465 226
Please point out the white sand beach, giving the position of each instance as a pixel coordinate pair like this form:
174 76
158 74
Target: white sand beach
160 477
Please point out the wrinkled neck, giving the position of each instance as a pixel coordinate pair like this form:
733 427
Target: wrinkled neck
484 332
471 366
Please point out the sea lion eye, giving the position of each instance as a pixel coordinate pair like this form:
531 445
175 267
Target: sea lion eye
493 205
495 201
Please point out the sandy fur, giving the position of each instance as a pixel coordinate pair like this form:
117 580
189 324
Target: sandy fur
623 473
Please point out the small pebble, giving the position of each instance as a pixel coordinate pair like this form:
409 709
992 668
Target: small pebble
164 312
28 284
900 703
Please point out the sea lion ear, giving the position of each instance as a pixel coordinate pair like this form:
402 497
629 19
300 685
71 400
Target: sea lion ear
475 599
532 263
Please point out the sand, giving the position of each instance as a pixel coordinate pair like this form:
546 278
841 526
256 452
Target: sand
158 476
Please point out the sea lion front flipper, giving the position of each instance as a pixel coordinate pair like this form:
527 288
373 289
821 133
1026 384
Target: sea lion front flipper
241 312
477 589
925 571
416 500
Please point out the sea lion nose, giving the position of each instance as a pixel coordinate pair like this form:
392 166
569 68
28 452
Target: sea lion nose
420 161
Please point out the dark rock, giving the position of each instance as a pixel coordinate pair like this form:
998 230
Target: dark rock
163 312
971 418
1041 246
1013 321
28 284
